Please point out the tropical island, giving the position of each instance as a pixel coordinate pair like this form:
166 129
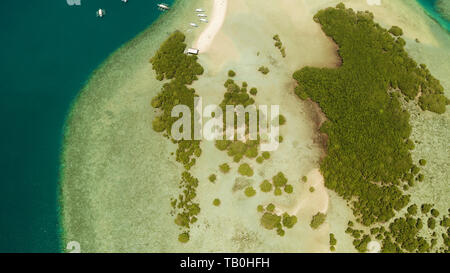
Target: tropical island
362 123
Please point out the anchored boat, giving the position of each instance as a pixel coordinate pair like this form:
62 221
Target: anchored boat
163 6
101 13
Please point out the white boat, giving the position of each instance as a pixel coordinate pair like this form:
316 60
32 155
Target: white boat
193 25
199 10
125 1
163 6
192 51
204 20
101 13
201 15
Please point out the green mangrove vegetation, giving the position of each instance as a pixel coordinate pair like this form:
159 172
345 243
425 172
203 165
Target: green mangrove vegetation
368 150
333 242
317 220
171 63
279 45
245 170
270 220
263 69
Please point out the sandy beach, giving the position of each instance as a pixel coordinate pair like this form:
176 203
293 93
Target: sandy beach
216 20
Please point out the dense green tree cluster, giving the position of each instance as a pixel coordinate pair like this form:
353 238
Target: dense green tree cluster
361 244
245 170
422 162
212 178
317 220
188 209
236 95
224 168
266 186
289 221
280 182
279 45
173 93
170 61
403 236
270 220
187 151
183 237
425 208
396 31
333 242
263 69
281 120
250 191
368 155
412 210
238 149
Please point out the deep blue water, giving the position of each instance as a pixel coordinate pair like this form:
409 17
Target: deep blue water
47 51
431 10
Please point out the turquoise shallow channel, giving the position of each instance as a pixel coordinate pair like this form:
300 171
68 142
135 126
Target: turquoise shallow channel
48 50
439 10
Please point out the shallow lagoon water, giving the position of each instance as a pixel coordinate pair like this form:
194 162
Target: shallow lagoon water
48 50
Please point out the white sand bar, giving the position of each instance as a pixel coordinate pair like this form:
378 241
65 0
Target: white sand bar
218 17
374 2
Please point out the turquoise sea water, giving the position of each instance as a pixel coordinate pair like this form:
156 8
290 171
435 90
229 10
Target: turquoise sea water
431 9
48 50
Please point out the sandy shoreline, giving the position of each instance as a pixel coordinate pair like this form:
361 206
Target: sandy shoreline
314 202
217 18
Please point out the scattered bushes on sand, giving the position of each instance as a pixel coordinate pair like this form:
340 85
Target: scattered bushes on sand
333 242
279 45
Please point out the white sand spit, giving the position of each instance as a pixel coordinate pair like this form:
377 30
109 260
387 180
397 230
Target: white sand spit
217 18
374 2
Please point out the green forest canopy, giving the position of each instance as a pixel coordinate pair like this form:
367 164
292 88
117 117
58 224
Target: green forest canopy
368 155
